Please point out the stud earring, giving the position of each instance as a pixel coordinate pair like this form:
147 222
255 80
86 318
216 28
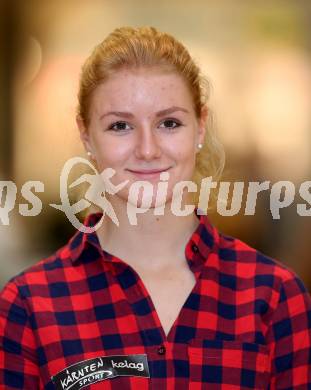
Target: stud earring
200 146
89 154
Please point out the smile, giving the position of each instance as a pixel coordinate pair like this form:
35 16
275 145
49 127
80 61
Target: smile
148 174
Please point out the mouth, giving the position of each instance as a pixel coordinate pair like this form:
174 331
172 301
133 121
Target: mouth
148 173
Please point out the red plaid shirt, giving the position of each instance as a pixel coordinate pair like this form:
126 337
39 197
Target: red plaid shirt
246 323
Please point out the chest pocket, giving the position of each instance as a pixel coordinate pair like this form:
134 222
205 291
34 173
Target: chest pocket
232 364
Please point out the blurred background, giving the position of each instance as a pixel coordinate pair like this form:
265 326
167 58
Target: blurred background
257 56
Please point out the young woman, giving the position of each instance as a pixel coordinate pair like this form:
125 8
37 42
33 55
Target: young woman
169 302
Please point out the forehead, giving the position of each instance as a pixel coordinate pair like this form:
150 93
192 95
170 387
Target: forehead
141 90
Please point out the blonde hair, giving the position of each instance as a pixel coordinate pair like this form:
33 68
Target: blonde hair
129 47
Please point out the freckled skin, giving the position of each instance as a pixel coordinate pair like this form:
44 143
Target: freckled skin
147 143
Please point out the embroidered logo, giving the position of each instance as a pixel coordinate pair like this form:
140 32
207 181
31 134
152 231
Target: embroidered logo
90 371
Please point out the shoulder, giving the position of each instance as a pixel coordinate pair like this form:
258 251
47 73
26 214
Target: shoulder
44 272
251 262
255 270
235 257
51 276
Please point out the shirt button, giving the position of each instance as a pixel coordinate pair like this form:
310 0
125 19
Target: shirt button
161 350
195 249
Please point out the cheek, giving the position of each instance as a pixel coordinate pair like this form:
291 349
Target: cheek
182 147
112 153
185 153
186 160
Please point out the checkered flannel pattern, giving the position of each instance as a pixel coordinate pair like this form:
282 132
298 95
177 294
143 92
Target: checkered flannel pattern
245 325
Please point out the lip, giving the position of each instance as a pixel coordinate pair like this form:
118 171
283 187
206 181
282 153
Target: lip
147 173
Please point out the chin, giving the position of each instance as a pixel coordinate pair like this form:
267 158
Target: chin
149 200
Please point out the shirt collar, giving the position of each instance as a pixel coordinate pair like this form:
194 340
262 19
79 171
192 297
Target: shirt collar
204 240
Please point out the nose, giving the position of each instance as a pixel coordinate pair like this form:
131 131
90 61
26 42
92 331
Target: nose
147 145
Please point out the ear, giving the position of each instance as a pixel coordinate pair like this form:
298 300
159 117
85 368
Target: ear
202 124
84 134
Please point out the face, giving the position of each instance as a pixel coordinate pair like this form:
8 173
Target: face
142 123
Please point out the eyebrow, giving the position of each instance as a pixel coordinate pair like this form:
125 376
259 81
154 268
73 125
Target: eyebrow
125 114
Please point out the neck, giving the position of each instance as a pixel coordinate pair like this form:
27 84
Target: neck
152 242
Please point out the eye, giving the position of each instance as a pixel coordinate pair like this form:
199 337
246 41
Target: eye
119 126
170 124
